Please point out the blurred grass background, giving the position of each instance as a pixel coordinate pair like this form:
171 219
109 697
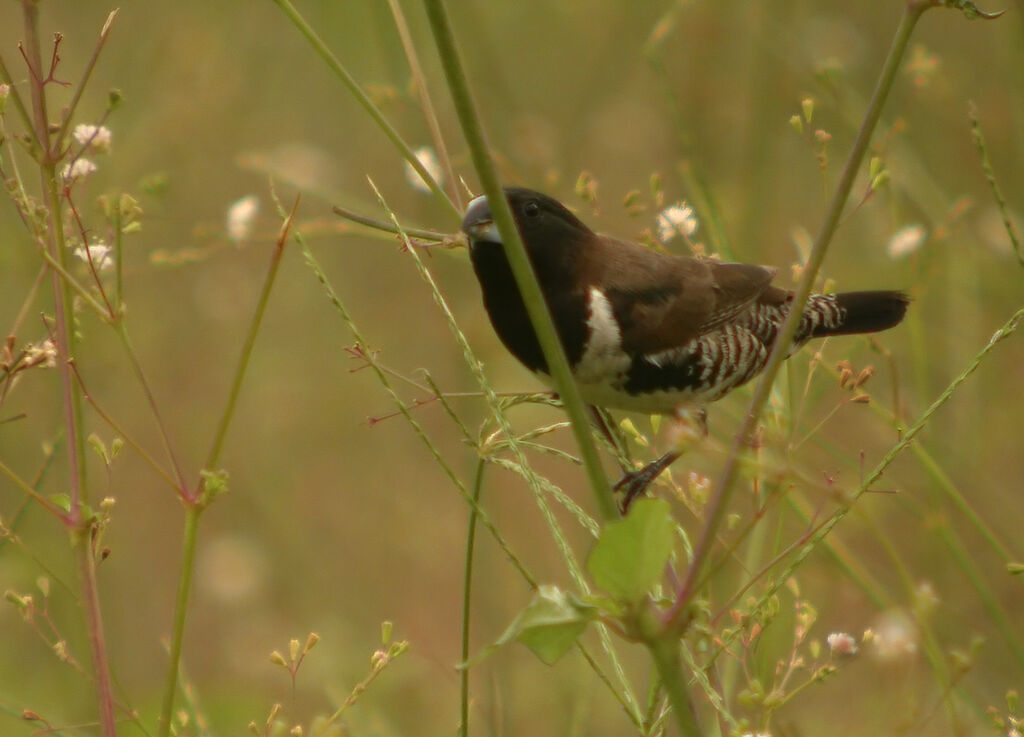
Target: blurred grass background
334 525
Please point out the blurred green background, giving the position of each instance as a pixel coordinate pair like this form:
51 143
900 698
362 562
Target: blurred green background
333 525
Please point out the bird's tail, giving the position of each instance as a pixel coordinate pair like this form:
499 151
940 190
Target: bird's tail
853 312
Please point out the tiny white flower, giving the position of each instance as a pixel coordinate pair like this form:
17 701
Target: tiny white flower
841 643
97 137
926 596
43 353
428 158
241 215
99 253
906 240
78 170
698 484
894 636
676 220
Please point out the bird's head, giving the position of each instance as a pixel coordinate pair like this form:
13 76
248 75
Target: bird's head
544 223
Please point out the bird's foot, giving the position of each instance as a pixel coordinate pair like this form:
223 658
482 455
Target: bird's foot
634 483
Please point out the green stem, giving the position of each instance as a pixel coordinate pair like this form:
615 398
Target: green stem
363 99
420 233
64 320
188 556
64 336
250 342
69 111
122 332
195 500
19 105
723 490
67 351
665 653
990 176
1008 328
80 291
526 280
753 555
30 492
467 586
118 263
40 119
404 410
423 92
97 640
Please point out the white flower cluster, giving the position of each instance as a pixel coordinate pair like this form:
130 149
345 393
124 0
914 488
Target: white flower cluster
906 240
94 138
841 643
676 220
99 253
241 216
426 156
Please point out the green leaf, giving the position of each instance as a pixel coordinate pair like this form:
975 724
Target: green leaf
630 555
549 625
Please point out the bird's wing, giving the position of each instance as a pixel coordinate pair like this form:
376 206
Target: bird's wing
663 302
737 286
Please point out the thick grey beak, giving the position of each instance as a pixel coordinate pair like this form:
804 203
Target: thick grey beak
477 222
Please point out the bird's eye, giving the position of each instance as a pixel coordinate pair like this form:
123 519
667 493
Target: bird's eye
531 209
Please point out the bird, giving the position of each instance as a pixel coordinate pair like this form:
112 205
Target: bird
644 330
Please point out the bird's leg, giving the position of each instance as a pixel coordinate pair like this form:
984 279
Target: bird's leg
634 483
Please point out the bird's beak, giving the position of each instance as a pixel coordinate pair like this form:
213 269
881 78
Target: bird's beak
477 222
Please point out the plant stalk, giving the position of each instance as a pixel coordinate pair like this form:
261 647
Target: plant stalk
363 99
64 337
86 561
188 556
723 489
665 653
467 588
526 280
195 500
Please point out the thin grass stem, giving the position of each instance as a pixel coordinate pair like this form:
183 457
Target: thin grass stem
382 377
364 100
540 316
387 227
188 558
423 92
535 483
723 489
467 590
196 500
69 112
1008 328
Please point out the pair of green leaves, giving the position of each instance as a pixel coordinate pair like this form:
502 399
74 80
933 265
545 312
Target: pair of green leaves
626 562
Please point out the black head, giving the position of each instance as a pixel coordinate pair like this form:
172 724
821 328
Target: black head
543 221
557 244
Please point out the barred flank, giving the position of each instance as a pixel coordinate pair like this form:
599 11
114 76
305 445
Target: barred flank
865 312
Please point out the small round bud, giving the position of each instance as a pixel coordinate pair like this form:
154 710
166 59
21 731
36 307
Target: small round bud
807 107
311 642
